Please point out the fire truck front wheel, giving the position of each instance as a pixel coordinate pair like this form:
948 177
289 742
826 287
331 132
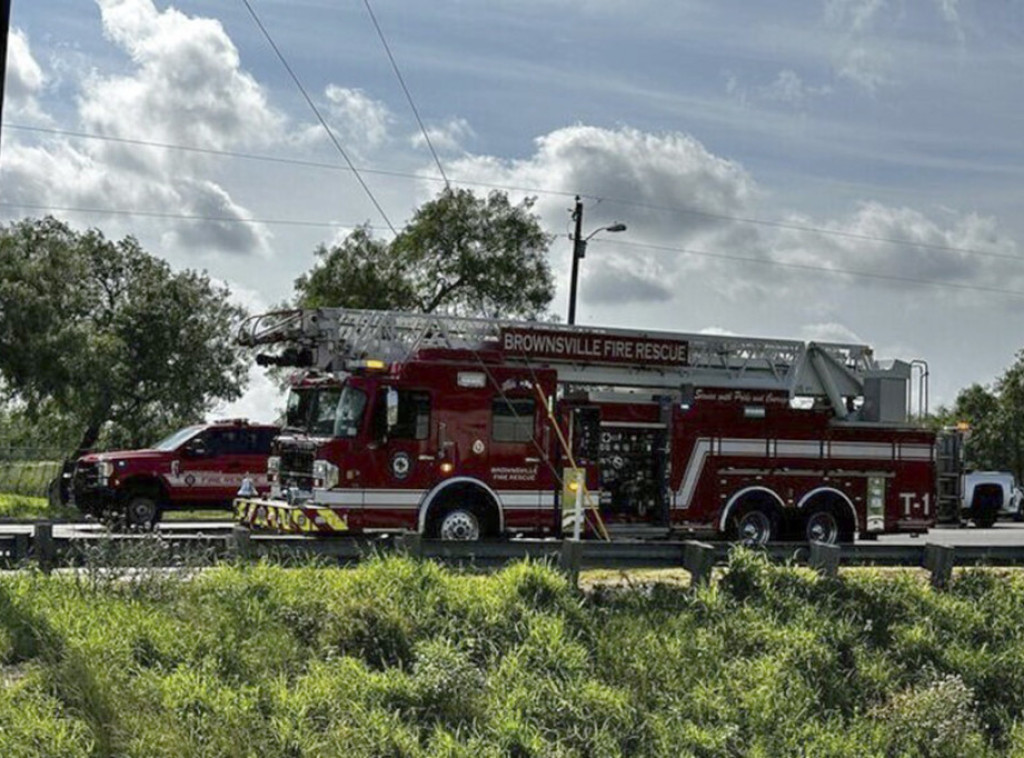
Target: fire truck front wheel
459 524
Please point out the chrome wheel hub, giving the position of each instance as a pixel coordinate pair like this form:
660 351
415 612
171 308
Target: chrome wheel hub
460 526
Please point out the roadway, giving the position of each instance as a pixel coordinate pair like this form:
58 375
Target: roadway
1003 533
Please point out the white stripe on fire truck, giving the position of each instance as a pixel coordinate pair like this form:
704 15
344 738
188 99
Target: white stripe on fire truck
785 449
411 499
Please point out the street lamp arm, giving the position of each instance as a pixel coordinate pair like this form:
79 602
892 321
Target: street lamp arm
612 228
579 250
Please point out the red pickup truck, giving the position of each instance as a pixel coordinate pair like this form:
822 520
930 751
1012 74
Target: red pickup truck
196 467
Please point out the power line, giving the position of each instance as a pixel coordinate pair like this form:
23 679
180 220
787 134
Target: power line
513 188
184 216
320 118
641 245
818 269
408 95
810 229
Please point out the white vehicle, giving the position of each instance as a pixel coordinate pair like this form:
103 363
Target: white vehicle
988 495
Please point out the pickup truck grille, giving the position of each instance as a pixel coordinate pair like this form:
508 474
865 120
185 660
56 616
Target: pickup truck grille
86 477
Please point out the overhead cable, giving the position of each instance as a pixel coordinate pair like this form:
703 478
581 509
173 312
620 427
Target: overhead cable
319 116
408 95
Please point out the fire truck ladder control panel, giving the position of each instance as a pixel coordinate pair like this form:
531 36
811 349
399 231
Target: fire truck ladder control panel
838 375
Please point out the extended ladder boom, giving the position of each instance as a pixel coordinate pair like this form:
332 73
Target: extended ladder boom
330 339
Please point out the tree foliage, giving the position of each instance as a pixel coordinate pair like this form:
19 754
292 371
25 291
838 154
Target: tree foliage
996 418
459 253
95 333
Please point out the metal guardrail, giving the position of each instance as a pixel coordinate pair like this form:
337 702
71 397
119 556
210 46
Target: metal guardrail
40 548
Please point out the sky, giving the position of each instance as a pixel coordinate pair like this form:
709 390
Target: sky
843 170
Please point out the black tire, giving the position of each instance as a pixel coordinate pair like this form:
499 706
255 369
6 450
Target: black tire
754 526
141 512
986 508
822 526
464 514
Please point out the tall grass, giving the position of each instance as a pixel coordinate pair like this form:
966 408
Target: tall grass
404 658
24 507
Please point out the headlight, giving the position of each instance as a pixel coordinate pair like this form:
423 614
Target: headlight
325 474
274 464
105 469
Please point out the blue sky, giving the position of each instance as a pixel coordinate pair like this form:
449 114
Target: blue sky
748 146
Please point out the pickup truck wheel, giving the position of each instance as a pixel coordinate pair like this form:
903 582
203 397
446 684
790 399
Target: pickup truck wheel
986 509
459 524
142 512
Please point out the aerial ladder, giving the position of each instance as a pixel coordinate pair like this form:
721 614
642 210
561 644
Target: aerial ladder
845 377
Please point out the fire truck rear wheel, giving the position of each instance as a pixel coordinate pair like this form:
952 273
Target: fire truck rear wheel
754 527
142 512
823 526
459 524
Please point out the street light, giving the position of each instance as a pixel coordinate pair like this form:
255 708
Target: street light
579 250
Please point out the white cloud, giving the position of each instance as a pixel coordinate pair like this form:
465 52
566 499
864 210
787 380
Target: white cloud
653 172
830 331
263 401
790 89
717 331
685 206
361 120
967 250
447 137
866 67
184 85
25 80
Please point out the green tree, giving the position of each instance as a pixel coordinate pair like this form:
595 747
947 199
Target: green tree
98 334
996 418
459 253
1011 419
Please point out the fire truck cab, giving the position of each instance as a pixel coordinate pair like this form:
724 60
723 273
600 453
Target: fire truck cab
467 428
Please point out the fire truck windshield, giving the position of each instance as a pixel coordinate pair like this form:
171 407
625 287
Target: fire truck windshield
326 411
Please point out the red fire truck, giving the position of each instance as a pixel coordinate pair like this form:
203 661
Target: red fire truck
465 428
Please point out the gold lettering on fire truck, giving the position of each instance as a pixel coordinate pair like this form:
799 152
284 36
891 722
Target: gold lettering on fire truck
514 473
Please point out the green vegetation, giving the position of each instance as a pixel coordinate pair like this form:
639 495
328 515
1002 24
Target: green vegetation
459 253
401 658
996 417
26 507
131 351
19 477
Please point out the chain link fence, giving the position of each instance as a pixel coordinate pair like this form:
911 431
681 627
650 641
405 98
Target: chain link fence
29 471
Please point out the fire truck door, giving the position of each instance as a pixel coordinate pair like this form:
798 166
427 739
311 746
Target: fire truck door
409 460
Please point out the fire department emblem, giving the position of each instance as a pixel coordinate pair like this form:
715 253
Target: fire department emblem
478 447
190 480
401 465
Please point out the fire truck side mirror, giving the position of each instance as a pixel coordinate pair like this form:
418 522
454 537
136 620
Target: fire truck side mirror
392 406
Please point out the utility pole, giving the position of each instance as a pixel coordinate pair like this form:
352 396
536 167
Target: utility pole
5 26
578 251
